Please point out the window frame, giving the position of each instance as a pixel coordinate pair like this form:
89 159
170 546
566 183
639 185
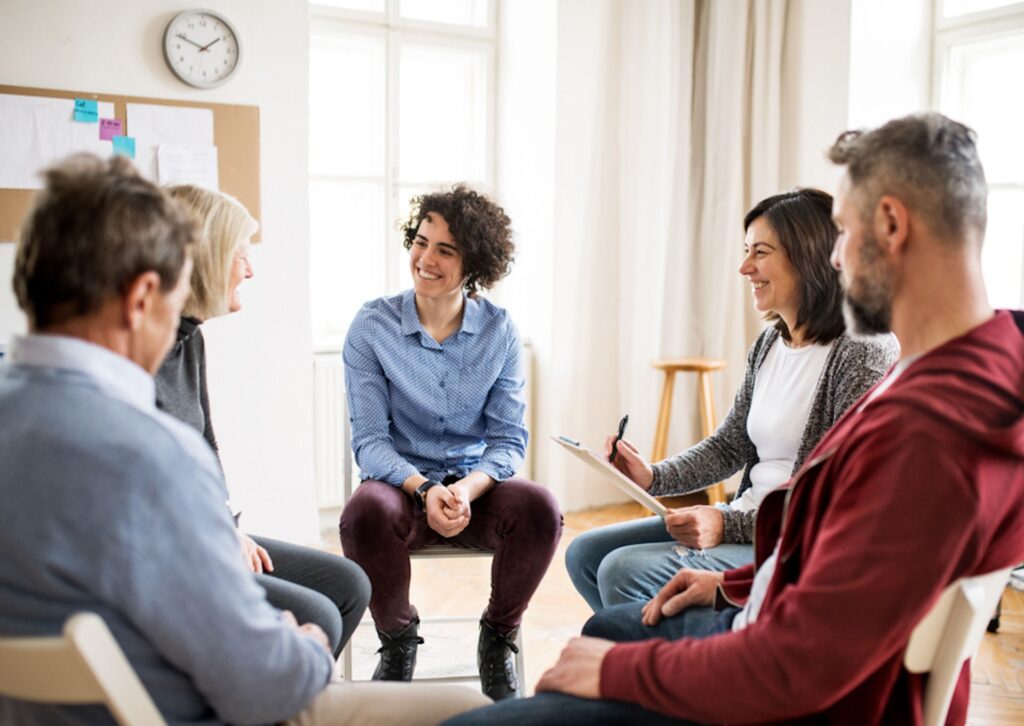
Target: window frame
978 26
397 32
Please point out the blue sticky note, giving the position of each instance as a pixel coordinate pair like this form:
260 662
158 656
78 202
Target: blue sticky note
86 111
124 146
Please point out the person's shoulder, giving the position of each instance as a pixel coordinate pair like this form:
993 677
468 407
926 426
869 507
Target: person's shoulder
381 311
876 351
491 316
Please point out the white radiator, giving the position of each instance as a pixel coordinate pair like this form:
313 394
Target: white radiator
332 438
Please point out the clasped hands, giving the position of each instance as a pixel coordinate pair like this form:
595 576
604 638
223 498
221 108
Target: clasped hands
448 510
698 527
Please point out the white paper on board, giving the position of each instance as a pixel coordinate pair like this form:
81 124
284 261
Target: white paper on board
37 132
154 126
187 165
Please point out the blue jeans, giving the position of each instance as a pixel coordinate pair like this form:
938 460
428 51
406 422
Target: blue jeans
631 561
620 623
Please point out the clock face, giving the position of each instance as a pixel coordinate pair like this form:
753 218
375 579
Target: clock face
202 48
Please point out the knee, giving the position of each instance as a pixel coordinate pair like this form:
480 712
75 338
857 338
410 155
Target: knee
374 513
536 509
614 569
584 555
357 584
613 623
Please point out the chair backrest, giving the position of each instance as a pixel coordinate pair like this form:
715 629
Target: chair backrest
83 665
950 634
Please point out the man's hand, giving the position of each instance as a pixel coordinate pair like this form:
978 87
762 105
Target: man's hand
630 461
578 670
256 558
699 527
310 630
448 511
687 589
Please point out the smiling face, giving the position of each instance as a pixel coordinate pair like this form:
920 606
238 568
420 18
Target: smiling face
435 260
773 278
866 278
241 269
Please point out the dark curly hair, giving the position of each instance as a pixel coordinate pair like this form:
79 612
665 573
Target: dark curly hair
481 230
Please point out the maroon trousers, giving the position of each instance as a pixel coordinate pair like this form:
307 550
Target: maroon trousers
517 520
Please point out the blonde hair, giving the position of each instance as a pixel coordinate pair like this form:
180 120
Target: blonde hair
225 226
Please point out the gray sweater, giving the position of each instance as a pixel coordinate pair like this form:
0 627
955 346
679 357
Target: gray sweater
853 366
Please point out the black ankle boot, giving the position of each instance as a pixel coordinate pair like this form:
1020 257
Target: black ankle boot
398 653
494 660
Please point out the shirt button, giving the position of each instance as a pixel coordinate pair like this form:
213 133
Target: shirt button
441 419
442 384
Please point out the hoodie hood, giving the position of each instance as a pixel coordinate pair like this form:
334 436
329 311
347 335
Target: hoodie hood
988 361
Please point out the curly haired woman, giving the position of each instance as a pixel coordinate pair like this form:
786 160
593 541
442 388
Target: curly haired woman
434 380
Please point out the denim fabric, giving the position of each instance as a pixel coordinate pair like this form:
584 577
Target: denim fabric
630 561
558 709
518 520
317 587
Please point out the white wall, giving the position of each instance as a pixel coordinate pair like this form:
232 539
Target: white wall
259 360
815 72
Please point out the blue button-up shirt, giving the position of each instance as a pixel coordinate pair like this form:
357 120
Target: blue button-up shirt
419 406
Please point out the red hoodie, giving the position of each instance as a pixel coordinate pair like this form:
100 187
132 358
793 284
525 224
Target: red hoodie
923 486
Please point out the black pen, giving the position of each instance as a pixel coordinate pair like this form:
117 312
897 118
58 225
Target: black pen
618 438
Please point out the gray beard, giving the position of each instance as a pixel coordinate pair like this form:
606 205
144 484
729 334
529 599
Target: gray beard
865 321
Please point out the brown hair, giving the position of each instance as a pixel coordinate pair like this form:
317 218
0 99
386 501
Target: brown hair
225 226
481 230
93 229
802 220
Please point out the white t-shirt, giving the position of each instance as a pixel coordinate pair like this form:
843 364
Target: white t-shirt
764 574
779 408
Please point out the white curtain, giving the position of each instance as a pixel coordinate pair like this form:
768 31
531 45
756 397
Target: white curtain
667 131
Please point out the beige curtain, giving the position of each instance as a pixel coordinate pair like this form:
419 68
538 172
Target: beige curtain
667 131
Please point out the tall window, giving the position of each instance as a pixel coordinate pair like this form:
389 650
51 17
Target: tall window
978 72
402 100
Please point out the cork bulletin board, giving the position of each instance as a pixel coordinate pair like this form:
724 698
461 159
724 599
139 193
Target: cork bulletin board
236 134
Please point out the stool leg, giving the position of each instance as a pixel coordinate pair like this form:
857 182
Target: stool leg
520 659
664 414
716 493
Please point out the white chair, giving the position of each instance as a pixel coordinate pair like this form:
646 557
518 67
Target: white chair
950 634
84 665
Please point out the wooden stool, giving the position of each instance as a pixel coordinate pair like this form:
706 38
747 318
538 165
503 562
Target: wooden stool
705 402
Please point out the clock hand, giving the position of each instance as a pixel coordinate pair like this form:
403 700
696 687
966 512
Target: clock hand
189 40
207 46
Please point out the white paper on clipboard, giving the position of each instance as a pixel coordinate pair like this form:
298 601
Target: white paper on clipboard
623 482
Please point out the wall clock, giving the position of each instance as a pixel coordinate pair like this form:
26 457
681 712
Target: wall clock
202 48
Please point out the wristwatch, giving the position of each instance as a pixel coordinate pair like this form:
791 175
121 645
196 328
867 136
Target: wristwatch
419 497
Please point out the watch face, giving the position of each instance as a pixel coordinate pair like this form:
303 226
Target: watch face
202 48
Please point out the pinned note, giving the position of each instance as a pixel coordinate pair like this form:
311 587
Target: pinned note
124 146
109 128
86 111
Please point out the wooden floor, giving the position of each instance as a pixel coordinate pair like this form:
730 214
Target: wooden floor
445 587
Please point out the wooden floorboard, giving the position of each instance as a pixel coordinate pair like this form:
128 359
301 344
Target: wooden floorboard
445 587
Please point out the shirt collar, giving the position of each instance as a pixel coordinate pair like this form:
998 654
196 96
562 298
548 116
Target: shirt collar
115 373
472 315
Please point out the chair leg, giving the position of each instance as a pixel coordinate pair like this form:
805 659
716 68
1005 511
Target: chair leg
664 414
346 661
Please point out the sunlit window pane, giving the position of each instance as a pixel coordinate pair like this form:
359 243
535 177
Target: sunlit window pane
401 274
953 8
442 111
1002 256
348 262
371 6
977 92
346 104
455 12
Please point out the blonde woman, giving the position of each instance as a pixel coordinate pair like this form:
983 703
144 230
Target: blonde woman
315 586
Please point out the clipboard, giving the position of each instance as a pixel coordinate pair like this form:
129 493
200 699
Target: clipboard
623 482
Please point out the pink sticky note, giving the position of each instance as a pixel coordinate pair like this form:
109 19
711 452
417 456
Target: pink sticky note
109 128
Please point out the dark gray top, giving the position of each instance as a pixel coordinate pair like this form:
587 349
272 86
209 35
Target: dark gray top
853 366
181 381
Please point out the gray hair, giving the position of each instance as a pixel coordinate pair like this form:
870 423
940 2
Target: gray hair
928 161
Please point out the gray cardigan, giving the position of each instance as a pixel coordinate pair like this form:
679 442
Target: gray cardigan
853 366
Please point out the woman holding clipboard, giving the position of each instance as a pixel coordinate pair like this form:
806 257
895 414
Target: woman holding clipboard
802 374
434 381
